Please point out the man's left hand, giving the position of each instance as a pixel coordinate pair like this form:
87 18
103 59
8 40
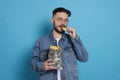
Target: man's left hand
71 32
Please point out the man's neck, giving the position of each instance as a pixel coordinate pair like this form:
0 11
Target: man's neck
56 34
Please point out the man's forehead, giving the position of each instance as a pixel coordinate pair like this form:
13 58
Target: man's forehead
61 14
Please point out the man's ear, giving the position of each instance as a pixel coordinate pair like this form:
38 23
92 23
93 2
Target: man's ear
51 20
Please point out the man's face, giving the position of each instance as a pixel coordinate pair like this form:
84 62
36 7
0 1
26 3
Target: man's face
60 20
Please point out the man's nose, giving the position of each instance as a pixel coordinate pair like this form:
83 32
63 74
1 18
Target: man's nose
63 22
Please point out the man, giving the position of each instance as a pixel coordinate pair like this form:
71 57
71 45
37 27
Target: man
72 49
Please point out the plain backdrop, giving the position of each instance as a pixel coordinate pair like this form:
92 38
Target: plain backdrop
97 23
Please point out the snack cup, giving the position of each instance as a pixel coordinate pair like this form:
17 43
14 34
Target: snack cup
55 54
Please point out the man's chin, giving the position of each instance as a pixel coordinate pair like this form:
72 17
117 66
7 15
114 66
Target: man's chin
59 31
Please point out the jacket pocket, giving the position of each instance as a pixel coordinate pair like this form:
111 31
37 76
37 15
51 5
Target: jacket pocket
70 55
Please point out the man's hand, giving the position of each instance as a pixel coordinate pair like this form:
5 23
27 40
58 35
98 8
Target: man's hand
48 65
71 32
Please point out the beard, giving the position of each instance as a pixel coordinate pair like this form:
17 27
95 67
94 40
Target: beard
58 31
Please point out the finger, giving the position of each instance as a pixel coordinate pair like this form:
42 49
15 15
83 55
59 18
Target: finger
51 67
69 30
49 60
51 64
46 64
47 68
72 32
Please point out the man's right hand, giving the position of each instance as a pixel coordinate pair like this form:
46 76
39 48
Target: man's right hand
48 65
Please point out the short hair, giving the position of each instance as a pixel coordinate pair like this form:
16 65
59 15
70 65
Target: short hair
61 9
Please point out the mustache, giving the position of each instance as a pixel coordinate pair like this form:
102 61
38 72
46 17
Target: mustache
62 25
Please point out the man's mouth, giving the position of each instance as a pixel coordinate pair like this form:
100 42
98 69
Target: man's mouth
63 27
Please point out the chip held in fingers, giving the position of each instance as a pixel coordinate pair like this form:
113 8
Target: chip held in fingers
64 28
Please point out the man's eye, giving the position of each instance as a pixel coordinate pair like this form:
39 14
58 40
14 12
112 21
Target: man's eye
59 19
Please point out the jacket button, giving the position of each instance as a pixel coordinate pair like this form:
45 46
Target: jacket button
70 49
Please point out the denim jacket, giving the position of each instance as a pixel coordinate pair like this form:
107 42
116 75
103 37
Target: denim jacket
72 50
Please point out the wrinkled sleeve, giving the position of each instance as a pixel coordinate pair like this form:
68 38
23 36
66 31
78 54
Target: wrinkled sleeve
36 61
80 51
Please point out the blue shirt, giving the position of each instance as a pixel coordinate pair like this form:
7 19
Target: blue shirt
72 50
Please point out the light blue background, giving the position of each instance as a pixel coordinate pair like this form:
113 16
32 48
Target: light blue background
97 22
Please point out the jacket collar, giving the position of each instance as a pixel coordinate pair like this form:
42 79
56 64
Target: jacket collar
52 37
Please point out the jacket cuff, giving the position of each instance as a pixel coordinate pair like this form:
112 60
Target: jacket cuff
41 68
